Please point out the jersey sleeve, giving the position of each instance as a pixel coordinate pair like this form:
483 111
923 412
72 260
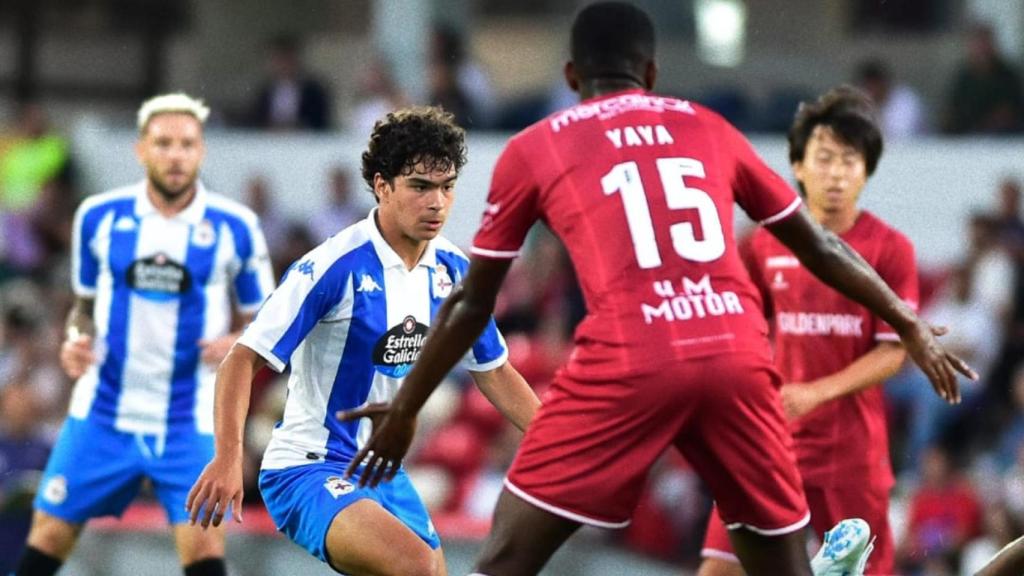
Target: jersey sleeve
898 267
764 195
85 266
306 295
512 207
488 352
255 278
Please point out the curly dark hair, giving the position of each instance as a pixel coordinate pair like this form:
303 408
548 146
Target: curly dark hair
851 115
410 136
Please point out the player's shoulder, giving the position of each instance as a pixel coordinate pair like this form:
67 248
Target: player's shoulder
230 208
109 198
449 254
349 243
884 233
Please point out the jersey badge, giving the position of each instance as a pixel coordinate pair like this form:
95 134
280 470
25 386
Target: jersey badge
442 282
56 490
203 235
338 486
779 281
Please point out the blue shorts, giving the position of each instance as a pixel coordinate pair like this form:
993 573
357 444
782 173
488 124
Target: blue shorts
95 470
303 501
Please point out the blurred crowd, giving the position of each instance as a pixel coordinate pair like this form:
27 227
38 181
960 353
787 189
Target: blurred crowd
960 493
982 96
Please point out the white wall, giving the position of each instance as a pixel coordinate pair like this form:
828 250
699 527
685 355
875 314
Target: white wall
926 188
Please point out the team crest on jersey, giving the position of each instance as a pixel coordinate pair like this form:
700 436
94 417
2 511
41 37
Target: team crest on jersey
779 281
399 347
56 490
203 235
158 277
442 282
338 486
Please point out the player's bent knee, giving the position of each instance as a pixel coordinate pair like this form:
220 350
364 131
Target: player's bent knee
53 536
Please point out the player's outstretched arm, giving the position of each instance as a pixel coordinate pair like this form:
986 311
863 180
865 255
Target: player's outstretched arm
458 324
836 264
508 391
220 484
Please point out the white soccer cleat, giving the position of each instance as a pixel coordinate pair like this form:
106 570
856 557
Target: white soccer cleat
846 549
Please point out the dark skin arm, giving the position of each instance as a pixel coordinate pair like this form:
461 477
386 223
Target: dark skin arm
458 324
839 266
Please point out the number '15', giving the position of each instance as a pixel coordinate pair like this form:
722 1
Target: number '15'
625 179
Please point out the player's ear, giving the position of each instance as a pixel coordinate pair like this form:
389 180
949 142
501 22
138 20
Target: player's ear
571 78
380 186
650 74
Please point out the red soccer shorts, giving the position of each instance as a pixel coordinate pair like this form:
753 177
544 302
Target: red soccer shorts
587 454
828 507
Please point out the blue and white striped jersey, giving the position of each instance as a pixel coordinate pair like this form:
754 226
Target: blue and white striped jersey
350 319
160 286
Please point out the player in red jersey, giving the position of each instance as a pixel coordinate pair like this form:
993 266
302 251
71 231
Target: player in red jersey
673 351
832 352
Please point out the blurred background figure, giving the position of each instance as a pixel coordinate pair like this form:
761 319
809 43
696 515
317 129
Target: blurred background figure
458 83
901 111
985 92
377 94
945 513
339 210
35 191
23 453
291 98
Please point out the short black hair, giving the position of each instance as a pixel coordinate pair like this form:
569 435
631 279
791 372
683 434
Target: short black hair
407 137
852 117
612 39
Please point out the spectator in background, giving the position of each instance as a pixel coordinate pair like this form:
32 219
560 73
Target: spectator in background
976 340
34 166
376 95
458 83
985 93
291 99
260 200
23 453
340 211
945 513
901 111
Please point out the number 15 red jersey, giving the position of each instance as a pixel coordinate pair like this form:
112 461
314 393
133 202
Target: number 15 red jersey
640 188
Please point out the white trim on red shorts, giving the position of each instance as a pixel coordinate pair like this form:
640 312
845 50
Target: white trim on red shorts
772 531
887 337
562 512
719 555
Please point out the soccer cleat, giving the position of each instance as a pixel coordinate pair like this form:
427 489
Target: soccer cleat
846 549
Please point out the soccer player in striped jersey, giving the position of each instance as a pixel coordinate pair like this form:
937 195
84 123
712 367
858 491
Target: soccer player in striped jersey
349 318
159 269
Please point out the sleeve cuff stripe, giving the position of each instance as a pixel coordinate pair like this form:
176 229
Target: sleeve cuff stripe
781 215
494 253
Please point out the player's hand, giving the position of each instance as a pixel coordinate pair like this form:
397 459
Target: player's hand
219 485
939 365
214 351
76 355
800 399
383 452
